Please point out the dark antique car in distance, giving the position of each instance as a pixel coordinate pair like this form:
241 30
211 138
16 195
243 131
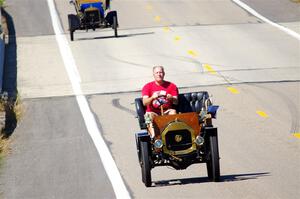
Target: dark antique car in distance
91 14
180 140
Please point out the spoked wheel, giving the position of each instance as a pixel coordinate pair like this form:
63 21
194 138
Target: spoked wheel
115 25
213 162
145 164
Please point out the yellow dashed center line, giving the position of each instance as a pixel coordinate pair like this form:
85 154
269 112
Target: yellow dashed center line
296 1
166 29
191 52
209 69
149 7
233 90
297 135
157 18
262 114
177 38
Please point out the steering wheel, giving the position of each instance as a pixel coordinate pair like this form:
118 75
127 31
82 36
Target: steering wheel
160 103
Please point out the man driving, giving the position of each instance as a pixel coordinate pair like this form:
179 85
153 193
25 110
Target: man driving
159 96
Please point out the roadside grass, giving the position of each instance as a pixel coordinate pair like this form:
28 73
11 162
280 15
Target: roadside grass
17 108
4 142
4 148
10 107
11 112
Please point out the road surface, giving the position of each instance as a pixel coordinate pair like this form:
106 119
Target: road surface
251 69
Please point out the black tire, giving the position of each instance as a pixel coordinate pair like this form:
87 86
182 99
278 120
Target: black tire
145 164
209 169
213 163
138 148
72 35
72 25
140 110
115 25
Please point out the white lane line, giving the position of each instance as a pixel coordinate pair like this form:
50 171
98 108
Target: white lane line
249 9
89 119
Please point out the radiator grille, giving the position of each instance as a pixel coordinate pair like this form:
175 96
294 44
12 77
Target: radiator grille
178 140
92 16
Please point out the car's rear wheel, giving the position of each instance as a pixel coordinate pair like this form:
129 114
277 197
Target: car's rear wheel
115 25
145 164
213 162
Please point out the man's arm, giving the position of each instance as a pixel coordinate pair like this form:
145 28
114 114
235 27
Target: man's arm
147 100
173 95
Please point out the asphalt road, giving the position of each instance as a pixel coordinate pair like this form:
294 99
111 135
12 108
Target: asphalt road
251 68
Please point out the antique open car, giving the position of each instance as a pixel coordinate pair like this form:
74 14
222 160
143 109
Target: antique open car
92 14
180 140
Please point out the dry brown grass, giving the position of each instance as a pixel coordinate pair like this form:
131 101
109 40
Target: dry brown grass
2 105
18 108
13 111
4 147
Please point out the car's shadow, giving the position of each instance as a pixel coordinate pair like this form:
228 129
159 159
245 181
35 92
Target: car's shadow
112 36
224 178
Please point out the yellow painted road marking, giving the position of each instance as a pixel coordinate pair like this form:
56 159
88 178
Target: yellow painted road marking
297 135
296 1
233 90
157 18
209 69
193 53
262 114
177 38
149 7
166 29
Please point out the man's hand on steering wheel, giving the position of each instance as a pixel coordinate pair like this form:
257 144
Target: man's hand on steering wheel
169 97
154 95
172 99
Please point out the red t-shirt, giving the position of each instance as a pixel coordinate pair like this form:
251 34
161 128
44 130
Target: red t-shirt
164 89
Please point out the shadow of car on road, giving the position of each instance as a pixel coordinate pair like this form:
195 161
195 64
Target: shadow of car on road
113 37
223 178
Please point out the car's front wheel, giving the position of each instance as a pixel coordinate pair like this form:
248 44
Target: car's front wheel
115 25
213 162
145 164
